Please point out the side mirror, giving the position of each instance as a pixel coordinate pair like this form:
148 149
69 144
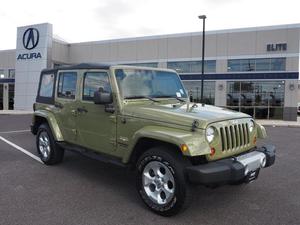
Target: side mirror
102 98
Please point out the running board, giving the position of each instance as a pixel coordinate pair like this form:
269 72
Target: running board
102 157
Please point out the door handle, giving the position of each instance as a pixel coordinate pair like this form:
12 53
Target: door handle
58 105
74 112
82 110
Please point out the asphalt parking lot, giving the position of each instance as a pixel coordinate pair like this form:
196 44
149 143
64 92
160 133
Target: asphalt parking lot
84 191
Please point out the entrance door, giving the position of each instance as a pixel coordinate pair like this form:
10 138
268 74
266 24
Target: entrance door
96 128
1 96
11 96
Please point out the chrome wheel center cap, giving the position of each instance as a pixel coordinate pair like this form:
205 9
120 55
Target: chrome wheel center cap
159 182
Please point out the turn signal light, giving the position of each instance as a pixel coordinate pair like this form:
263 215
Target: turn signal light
212 151
254 140
184 147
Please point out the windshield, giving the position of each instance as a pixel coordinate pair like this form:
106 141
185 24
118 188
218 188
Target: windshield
139 83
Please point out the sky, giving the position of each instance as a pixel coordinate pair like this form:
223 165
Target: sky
94 20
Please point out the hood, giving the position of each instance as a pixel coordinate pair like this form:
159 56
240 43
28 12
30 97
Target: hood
182 114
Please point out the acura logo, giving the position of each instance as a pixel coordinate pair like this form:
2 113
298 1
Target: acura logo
31 38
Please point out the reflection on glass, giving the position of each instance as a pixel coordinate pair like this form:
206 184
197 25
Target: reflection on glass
193 66
278 64
247 64
194 90
67 85
263 99
234 65
151 64
47 84
11 73
260 64
95 81
136 83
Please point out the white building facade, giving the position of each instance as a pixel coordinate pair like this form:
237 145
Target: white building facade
253 70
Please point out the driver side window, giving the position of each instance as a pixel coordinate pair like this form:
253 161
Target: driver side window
95 81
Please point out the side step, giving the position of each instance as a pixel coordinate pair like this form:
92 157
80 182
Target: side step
102 157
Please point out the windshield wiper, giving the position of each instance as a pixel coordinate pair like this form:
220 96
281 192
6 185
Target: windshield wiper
170 96
179 99
141 96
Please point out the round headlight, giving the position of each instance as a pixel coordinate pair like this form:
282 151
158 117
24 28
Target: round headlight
210 134
251 125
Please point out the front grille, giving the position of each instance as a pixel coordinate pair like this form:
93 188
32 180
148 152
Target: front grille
234 137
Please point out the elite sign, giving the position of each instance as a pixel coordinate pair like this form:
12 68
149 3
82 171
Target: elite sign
30 40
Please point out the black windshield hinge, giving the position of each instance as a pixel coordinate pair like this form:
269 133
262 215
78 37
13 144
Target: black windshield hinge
195 124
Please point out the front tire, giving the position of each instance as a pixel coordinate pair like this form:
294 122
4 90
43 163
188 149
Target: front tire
48 150
161 182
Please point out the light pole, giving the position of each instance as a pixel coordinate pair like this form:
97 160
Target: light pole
202 17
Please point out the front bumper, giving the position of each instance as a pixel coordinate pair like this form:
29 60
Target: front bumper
243 167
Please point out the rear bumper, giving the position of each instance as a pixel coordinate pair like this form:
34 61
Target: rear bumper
233 169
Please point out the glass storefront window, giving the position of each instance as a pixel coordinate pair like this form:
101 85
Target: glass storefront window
2 74
260 99
210 66
278 64
194 90
181 67
11 73
151 64
247 65
263 64
193 66
234 65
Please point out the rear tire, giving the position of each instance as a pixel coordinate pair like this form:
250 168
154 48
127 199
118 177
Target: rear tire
161 181
48 150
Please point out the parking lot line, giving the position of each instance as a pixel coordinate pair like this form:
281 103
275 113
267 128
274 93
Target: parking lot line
14 131
21 149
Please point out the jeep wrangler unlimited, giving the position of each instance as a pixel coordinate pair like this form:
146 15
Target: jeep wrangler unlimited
142 117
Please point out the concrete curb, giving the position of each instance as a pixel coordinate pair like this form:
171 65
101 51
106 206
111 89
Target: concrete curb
15 112
279 123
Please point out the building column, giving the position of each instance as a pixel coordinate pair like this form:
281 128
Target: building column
220 93
33 54
290 100
162 64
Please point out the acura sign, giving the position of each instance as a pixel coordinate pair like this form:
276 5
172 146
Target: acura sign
30 40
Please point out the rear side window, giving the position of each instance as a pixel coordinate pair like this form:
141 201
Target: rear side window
67 85
47 84
46 87
95 81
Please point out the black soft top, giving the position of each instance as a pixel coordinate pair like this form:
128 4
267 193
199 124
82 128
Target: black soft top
79 66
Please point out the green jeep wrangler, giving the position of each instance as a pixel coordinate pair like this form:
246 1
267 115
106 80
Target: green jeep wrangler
142 118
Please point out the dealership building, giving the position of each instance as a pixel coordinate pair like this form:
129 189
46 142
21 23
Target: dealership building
252 70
